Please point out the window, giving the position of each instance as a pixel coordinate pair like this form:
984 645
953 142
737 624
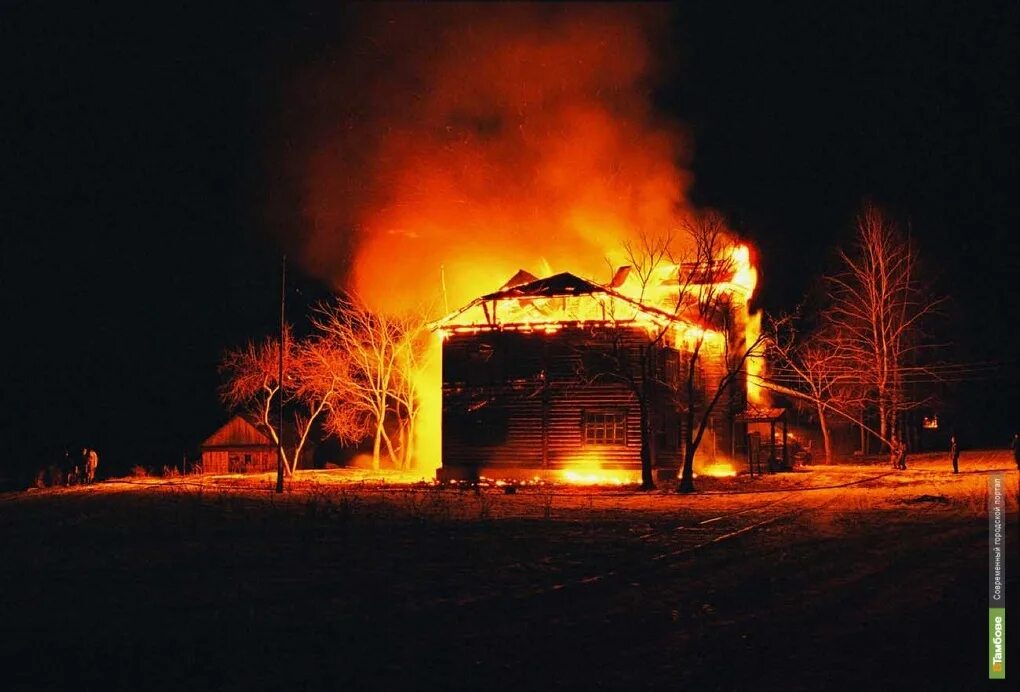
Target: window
604 428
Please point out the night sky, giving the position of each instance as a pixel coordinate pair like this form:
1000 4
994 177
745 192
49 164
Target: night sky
146 188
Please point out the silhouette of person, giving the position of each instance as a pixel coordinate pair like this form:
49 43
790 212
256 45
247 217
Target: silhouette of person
954 451
91 464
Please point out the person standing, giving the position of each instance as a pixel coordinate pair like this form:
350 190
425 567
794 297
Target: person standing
90 467
901 463
81 468
894 451
954 451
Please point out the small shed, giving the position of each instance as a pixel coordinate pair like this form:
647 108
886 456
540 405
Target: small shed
239 446
776 450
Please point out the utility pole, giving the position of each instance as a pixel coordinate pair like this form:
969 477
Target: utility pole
283 345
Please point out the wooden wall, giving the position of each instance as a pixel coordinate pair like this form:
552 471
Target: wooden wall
238 460
517 400
238 447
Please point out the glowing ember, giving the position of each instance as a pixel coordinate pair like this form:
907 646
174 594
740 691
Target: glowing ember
600 477
721 469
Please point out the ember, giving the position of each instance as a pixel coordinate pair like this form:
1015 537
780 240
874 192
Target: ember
718 470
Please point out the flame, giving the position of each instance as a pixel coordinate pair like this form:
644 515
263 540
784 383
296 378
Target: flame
428 386
471 141
756 394
457 144
587 470
719 469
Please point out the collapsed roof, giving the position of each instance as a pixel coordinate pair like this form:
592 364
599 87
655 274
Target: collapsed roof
557 299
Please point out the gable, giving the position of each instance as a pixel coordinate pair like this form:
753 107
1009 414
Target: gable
238 432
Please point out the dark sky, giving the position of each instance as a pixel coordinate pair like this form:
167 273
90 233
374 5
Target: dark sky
143 185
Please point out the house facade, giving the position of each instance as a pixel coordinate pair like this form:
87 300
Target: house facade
548 376
238 446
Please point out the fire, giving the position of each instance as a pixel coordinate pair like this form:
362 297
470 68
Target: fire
428 383
586 470
460 143
600 477
719 469
471 141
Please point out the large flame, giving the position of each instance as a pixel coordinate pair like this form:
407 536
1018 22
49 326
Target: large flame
445 147
470 141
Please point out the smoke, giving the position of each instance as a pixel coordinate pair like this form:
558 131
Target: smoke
471 141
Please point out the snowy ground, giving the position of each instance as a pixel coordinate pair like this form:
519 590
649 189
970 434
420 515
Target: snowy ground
844 576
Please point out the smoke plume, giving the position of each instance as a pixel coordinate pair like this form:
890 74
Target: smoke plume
471 141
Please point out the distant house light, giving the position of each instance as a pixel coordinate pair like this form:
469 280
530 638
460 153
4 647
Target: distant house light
930 423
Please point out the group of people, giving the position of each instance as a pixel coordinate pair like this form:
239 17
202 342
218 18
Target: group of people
898 452
83 469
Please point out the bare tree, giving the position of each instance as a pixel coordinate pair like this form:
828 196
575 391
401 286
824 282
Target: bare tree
707 302
383 353
691 301
878 308
314 374
649 258
324 377
816 369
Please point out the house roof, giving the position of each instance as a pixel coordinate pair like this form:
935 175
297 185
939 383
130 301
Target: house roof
239 431
555 299
521 277
564 284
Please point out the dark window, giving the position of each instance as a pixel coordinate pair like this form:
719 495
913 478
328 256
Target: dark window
604 428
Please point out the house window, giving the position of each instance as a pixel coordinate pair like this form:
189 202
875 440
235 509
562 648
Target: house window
605 428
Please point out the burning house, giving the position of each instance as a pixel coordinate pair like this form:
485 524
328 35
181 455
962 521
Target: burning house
565 377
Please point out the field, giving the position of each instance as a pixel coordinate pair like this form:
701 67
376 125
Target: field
834 577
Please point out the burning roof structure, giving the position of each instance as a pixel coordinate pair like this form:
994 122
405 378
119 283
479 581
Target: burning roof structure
551 303
568 376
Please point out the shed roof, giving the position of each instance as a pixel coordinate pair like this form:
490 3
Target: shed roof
238 432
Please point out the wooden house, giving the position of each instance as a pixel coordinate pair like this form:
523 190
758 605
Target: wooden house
547 375
239 446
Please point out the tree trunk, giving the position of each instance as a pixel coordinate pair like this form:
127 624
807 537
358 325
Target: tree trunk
409 445
686 484
376 447
823 423
883 421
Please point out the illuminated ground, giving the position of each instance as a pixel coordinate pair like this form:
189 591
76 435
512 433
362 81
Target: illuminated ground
832 577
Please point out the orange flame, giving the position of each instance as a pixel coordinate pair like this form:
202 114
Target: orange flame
457 144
